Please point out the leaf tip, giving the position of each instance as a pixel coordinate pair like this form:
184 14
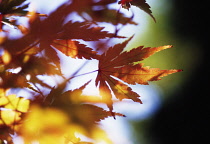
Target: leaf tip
167 46
179 70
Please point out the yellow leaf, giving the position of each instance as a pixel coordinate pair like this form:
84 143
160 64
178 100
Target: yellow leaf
9 116
23 105
3 98
17 103
12 108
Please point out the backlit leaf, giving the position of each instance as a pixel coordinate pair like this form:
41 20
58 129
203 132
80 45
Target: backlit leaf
74 49
95 113
9 117
133 74
135 55
17 103
117 63
123 91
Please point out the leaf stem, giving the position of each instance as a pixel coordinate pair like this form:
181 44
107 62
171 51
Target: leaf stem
81 75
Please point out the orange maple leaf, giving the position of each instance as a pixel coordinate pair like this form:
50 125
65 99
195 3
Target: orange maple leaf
117 70
74 49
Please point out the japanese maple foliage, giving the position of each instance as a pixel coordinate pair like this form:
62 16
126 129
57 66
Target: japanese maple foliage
26 60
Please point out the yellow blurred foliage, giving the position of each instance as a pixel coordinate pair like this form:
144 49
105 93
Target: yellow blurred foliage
6 57
48 125
13 108
53 126
101 137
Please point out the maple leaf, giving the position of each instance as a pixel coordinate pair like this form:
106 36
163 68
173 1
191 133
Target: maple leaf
74 49
117 65
84 31
96 113
138 3
73 104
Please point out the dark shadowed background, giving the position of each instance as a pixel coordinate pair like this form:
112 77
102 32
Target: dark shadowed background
183 118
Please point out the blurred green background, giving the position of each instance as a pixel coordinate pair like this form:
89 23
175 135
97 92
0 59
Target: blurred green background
184 55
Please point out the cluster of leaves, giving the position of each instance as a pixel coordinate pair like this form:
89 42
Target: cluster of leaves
54 114
10 9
